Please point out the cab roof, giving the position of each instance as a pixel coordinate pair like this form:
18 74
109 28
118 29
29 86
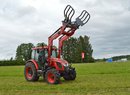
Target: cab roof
43 47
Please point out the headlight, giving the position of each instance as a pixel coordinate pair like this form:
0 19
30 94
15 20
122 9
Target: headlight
66 64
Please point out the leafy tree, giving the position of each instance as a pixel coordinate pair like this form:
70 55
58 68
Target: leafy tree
70 50
42 44
73 47
23 51
88 50
11 58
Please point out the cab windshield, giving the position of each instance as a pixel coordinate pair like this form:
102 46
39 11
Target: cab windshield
54 53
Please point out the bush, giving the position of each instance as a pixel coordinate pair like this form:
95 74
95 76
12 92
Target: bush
11 62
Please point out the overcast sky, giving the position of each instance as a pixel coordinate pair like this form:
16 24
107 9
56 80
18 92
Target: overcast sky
24 21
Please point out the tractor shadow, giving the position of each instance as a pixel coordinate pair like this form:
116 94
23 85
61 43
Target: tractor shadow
66 81
62 81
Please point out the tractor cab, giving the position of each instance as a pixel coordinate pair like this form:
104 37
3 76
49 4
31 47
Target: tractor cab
40 55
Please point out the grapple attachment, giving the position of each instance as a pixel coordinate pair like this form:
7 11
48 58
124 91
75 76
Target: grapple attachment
68 13
82 18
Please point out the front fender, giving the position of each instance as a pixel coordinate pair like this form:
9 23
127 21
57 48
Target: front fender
58 66
33 62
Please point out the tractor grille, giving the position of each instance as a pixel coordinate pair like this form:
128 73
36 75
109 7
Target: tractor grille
59 65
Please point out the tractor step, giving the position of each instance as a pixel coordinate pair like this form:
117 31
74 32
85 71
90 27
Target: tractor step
40 72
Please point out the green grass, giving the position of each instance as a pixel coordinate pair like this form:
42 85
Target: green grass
92 79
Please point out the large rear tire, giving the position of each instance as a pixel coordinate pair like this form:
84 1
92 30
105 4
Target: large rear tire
52 76
30 72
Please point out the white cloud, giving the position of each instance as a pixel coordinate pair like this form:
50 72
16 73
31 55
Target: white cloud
23 21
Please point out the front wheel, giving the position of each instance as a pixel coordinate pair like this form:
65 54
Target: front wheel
52 76
30 72
70 75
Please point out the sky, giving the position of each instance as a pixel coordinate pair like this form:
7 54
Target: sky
25 21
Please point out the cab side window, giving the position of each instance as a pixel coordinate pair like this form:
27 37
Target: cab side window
33 54
46 53
36 55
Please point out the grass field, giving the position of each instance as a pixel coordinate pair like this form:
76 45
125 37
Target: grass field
92 79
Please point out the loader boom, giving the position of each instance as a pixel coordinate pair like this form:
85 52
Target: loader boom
67 29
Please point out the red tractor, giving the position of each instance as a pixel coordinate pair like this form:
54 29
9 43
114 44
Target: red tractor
46 61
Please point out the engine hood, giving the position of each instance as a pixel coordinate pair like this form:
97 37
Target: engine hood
59 60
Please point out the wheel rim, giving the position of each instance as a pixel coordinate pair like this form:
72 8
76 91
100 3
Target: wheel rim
51 78
29 72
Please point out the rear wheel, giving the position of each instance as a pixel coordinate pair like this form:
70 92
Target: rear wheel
52 76
30 72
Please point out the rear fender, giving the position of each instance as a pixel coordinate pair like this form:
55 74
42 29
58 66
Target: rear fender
34 62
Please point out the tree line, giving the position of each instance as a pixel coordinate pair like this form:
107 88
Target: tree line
72 49
116 58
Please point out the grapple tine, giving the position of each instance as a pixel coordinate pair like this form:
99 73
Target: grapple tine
82 18
82 14
65 10
88 16
85 17
68 13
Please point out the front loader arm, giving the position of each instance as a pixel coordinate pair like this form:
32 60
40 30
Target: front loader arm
73 26
68 14
82 19
64 38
